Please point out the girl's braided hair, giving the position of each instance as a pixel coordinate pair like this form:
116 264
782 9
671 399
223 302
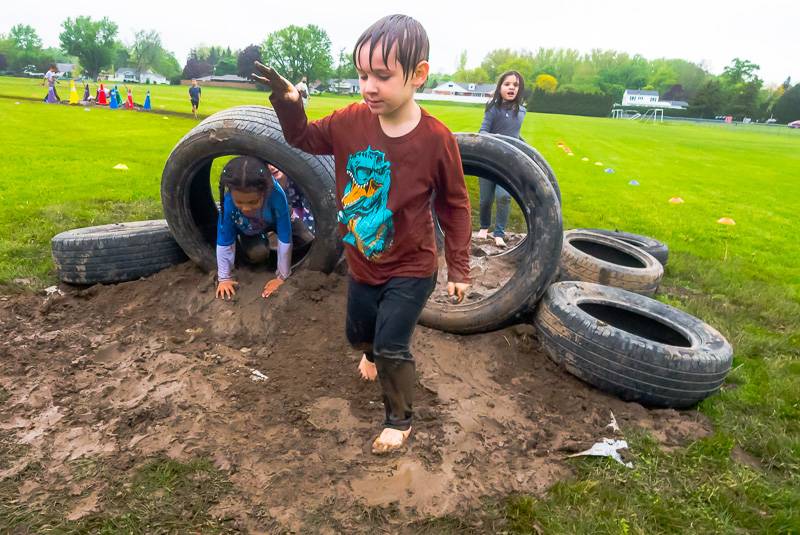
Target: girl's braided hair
244 173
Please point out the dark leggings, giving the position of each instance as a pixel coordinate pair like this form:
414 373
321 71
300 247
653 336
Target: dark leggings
380 322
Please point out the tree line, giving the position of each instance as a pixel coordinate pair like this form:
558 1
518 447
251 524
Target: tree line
298 51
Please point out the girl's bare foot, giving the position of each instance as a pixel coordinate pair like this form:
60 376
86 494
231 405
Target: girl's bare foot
367 369
390 440
482 233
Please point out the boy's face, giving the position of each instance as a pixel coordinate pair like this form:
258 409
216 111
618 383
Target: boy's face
383 85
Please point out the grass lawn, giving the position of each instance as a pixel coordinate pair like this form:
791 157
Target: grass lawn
56 173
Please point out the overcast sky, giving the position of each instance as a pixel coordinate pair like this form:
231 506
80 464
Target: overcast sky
709 31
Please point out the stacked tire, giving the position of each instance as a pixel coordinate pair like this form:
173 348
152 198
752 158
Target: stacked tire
114 253
599 325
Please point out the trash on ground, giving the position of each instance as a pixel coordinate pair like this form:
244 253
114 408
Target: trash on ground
121 167
52 290
726 221
607 448
608 170
676 200
633 183
613 425
256 376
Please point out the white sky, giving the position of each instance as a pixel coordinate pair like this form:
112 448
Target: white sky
709 31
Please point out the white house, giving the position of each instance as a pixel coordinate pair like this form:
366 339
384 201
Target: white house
640 97
130 74
346 86
471 90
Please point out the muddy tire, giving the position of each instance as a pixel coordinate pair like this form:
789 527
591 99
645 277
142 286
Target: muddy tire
488 157
537 157
649 245
246 130
632 346
114 253
513 253
592 257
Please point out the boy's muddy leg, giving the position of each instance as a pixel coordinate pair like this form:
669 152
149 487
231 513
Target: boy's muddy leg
400 305
362 311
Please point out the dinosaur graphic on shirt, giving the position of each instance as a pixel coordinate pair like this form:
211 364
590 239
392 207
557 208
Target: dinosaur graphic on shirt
364 203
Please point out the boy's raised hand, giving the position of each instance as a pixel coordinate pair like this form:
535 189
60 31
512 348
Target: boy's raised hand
279 85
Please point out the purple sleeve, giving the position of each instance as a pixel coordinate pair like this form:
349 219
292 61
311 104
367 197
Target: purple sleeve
225 256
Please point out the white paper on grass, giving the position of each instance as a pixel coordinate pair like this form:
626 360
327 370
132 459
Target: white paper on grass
607 448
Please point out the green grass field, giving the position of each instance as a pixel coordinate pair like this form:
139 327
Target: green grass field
56 174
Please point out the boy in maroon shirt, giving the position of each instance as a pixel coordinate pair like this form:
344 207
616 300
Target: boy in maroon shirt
391 157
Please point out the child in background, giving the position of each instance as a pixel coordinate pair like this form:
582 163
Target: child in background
391 156
504 115
251 204
51 79
194 96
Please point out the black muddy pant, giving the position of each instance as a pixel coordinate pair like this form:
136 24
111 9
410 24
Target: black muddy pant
380 322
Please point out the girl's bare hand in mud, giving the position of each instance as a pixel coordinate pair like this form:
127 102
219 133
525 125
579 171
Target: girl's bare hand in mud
279 85
457 291
271 286
226 289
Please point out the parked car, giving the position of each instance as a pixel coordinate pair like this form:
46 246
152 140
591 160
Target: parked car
794 124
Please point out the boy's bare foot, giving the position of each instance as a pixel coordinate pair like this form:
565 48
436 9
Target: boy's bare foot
390 440
500 242
367 369
482 233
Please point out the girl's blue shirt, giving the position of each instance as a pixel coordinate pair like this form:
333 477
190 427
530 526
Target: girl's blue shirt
274 215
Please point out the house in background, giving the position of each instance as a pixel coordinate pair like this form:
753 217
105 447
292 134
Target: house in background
643 97
131 75
639 97
471 90
347 86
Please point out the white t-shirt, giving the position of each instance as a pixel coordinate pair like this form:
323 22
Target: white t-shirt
303 88
51 78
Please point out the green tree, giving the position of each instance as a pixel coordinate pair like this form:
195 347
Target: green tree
146 50
168 66
297 51
742 87
709 100
225 65
787 109
120 55
91 41
25 38
495 61
344 66
740 71
246 58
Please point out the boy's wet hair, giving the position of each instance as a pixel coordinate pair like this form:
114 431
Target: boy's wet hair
497 98
244 173
407 32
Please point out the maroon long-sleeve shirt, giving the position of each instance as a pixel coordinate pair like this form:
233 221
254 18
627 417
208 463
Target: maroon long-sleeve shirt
384 187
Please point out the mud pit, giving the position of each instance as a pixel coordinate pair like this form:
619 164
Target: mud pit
118 375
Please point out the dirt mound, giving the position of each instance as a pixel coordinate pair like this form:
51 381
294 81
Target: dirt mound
269 390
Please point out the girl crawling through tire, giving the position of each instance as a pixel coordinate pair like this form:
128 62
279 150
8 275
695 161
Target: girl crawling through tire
253 203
